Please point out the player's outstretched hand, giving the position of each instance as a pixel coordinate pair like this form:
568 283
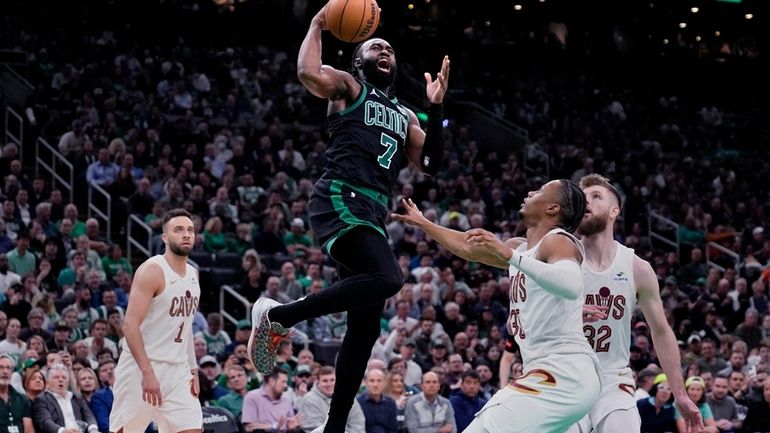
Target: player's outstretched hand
594 313
151 389
486 239
690 413
413 215
436 89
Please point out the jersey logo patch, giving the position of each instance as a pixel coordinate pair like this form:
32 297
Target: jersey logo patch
620 276
374 92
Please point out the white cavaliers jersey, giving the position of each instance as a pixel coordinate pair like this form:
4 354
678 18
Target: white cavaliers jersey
543 323
167 327
613 288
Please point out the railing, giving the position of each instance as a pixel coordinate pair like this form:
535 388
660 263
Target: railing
656 221
19 77
100 211
223 310
134 242
52 162
12 136
722 249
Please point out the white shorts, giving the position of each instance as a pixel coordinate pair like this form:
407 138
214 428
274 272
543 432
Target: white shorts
553 394
617 396
179 409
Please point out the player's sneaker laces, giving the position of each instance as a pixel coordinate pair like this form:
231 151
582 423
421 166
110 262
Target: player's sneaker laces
265 336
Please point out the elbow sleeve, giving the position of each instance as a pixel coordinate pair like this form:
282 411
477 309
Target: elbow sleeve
563 278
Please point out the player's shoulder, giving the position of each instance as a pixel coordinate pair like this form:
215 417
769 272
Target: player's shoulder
149 266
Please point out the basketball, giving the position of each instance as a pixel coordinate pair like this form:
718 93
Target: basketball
352 20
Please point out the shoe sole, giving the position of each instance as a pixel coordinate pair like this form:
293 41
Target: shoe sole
254 328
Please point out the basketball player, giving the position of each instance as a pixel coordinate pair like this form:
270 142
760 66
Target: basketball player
615 279
560 381
372 137
156 377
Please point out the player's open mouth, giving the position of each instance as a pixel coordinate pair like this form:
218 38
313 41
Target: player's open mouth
383 65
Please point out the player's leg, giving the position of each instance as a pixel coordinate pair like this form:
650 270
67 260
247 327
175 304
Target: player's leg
130 413
181 410
626 420
376 276
363 330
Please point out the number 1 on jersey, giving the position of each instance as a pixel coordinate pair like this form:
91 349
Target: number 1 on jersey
392 146
178 338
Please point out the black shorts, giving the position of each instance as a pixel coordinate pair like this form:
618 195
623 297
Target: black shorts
337 206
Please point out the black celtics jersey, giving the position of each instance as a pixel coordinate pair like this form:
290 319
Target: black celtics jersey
366 144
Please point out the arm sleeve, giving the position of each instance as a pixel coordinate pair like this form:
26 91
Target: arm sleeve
433 149
563 278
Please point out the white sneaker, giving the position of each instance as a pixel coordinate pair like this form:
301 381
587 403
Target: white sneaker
265 336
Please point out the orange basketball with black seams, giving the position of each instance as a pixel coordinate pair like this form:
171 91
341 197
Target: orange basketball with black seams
352 20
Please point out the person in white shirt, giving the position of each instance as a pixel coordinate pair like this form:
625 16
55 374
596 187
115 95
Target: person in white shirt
98 341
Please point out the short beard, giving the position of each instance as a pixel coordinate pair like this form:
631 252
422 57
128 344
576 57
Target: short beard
594 224
375 77
179 251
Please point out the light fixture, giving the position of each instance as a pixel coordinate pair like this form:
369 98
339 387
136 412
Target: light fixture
697 38
694 9
749 16
683 25
517 7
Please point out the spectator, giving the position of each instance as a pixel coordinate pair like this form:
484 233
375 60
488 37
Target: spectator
12 345
97 340
236 382
723 406
34 384
102 172
93 261
86 383
16 410
209 366
214 240
7 276
749 331
85 313
314 406
737 363
758 415
114 262
216 337
657 411
379 410
71 142
268 408
466 401
51 409
296 239
696 390
429 412
20 259
101 401
396 389
36 321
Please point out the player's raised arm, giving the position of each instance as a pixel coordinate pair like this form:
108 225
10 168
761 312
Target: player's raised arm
425 149
148 282
322 80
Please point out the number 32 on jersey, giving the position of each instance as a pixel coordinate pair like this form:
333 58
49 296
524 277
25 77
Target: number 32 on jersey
598 338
